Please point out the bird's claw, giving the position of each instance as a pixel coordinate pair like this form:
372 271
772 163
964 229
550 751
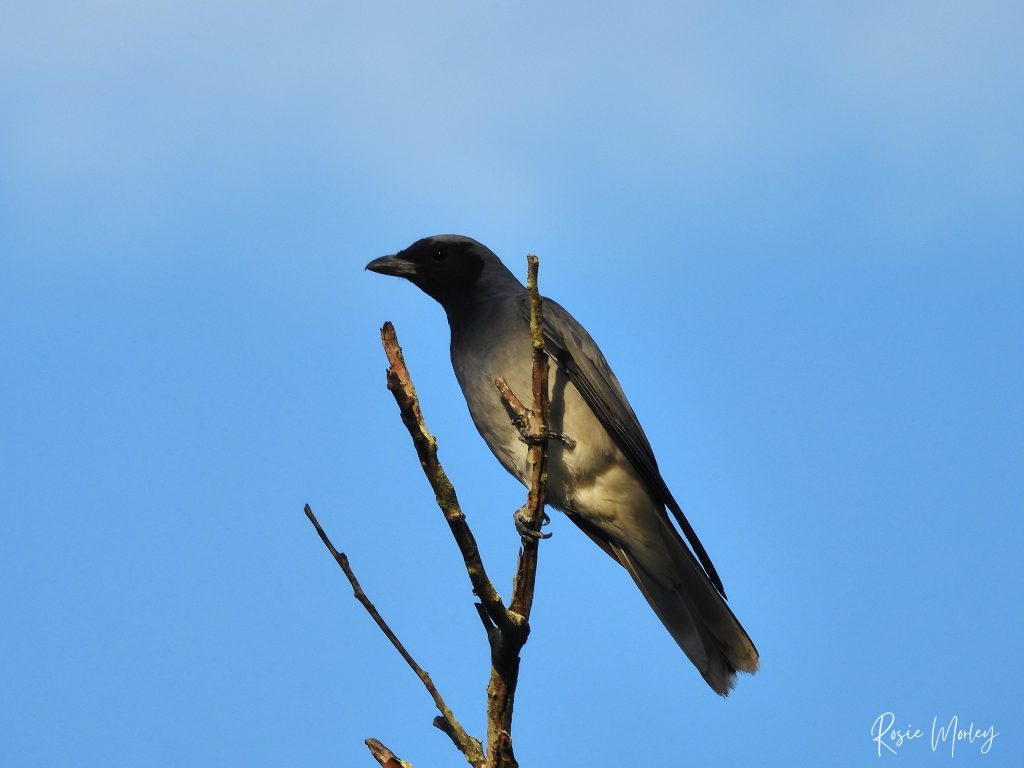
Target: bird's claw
523 527
561 437
564 439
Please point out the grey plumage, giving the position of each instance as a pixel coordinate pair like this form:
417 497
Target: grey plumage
608 483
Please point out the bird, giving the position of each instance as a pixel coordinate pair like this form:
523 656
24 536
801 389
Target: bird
603 474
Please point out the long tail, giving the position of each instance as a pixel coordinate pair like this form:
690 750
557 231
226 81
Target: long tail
696 615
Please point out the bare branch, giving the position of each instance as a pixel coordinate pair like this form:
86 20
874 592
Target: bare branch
526 572
506 646
522 417
518 412
466 744
507 629
385 756
401 386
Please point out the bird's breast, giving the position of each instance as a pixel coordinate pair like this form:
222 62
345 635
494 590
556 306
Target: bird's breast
592 479
571 470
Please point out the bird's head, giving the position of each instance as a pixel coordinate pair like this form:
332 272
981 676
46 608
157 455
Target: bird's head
447 268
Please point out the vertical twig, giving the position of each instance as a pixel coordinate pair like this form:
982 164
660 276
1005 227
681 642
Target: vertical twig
526 571
506 645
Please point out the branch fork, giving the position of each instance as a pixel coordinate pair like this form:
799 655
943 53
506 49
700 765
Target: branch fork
507 628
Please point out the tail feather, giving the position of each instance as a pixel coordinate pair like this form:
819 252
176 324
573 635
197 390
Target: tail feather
688 604
700 622
710 605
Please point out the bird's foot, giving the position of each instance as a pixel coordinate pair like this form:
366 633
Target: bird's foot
523 525
563 438
531 439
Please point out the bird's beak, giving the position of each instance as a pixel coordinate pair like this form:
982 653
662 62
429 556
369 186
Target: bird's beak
392 265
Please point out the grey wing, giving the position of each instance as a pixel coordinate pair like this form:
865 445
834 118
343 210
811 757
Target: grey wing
572 349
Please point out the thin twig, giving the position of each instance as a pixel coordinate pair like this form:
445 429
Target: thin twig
506 646
522 417
385 756
401 386
469 746
526 572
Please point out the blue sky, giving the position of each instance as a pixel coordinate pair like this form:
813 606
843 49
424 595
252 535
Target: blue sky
795 230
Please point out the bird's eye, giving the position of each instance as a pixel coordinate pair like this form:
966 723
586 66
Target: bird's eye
439 255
